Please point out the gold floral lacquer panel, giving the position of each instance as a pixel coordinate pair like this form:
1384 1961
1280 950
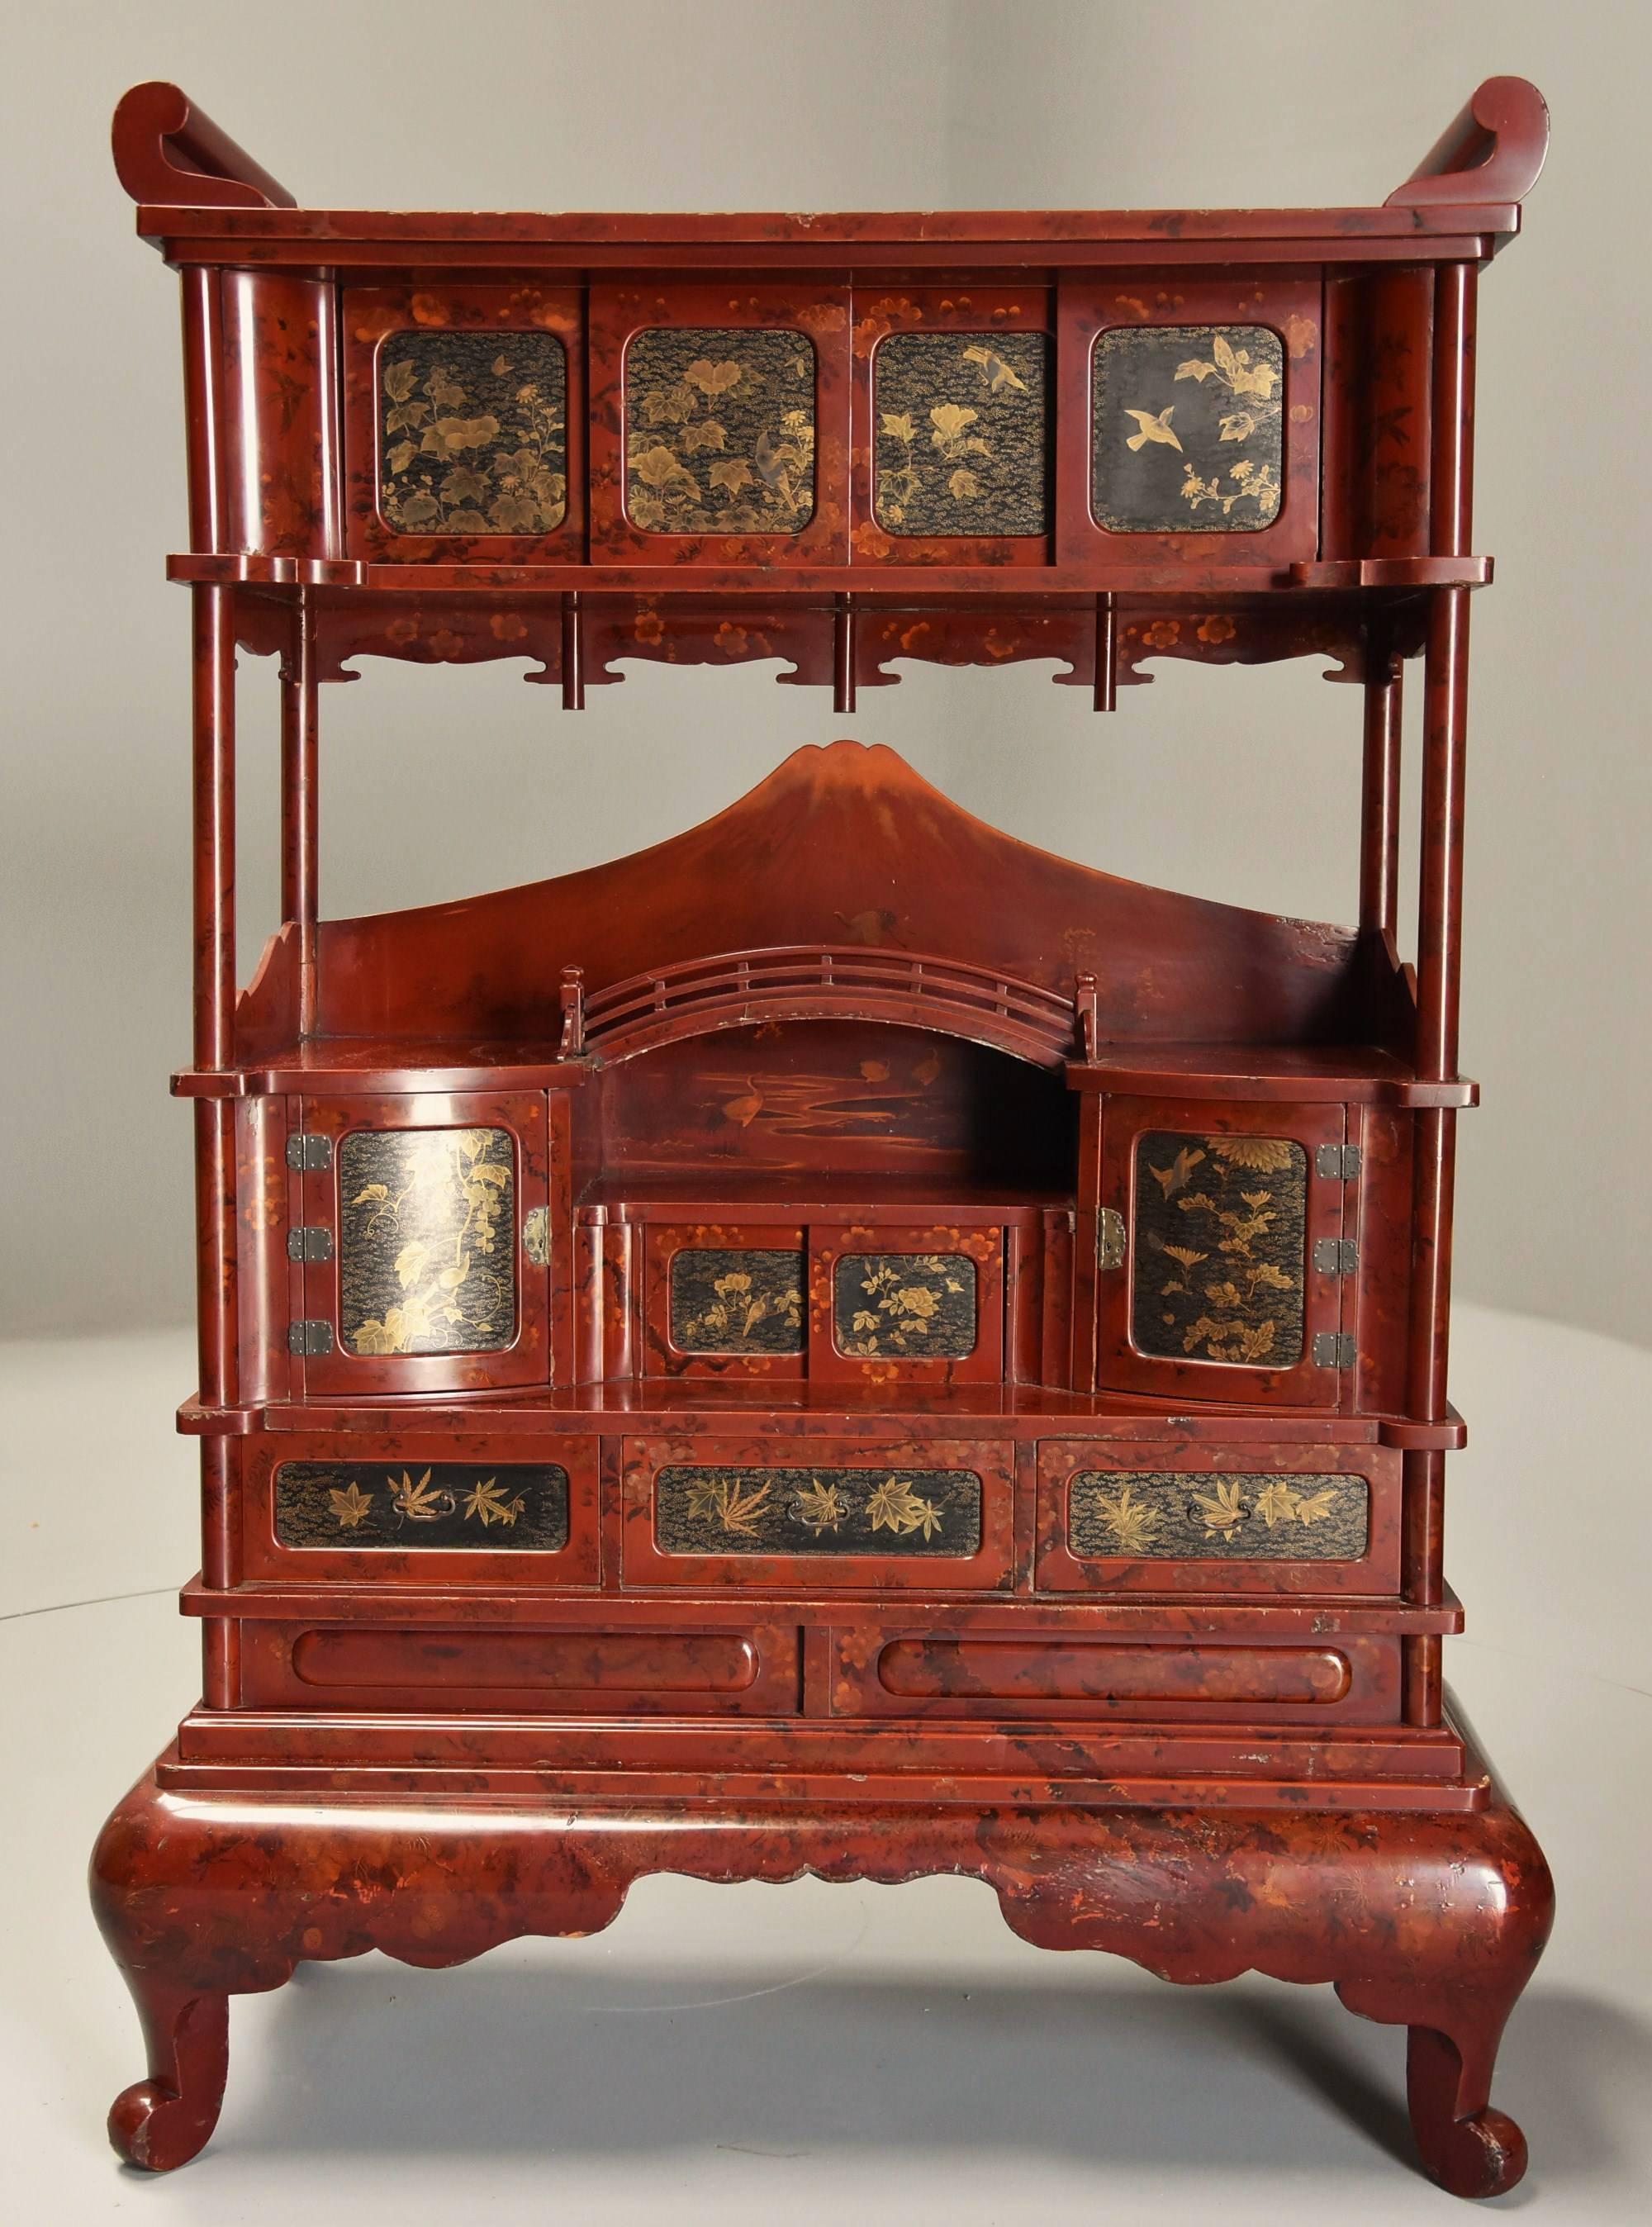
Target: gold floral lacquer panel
1166 1515
473 432
962 433
817 1511
1220 1253
737 1299
719 428
904 1305
423 1505
426 1241
1187 429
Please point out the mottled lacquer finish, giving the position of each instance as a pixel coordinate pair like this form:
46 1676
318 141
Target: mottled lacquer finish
473 433
1263 1517
422 1504
719 428
1219 1261
426 1223
817 1511
1187 429
737 1299
962 433
904 1305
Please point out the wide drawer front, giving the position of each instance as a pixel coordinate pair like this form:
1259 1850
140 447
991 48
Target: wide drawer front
412 1506
1181 1516
888 1672
751 1671
808 1515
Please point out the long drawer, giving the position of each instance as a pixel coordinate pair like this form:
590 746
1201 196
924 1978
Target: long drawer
1185 1516
806 1515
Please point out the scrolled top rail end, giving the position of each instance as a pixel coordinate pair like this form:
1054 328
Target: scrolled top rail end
1492 152
170 154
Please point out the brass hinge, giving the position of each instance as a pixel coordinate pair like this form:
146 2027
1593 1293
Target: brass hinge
536 1236
310 1241
307 1153
1336 1256
1335 1348
1340 1162
310 1336
1109 1238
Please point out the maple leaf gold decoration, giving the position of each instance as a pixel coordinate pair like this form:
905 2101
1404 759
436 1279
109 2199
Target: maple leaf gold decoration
485 1499
1276 1503
418 1502
1152 428
1315 1507
1131 1524
893 1506
1223 1511
349 1507
819 1506
734 1508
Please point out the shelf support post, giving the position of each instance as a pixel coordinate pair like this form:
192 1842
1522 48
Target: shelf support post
300 800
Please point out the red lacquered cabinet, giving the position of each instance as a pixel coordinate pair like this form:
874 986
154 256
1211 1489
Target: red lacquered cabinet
839 1342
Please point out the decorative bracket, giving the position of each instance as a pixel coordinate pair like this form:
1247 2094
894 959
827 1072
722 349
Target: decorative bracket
170 154
1493 152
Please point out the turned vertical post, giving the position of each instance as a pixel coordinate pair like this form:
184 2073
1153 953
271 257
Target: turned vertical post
300 800
1380 787
1439 952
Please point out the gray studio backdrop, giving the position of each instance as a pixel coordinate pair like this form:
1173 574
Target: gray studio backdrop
1238 784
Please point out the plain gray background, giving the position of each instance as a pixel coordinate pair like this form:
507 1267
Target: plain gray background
1238 784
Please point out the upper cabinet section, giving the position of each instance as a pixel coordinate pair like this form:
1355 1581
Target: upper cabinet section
1090 437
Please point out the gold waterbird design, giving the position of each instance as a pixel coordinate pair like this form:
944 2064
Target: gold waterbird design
473 432
1220 1264
1188 428
1165 1515
814 1511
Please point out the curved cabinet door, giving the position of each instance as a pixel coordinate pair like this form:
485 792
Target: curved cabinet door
426 1248
1231 1284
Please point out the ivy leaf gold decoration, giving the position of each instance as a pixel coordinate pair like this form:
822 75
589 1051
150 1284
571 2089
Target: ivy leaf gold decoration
351 1506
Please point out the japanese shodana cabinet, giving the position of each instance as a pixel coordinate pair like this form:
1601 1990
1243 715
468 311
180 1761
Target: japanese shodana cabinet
840 1342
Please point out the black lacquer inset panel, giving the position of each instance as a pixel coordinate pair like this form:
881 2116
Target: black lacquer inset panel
473 432
518 1506
737 1299
1161 1514
426 1249
1219 1259
962 433
719 428
910 1306
817 1511
1187 429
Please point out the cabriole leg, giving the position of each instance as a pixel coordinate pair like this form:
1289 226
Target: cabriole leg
165 2119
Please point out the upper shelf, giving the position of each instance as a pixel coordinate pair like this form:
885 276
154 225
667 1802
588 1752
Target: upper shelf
200 195
481 426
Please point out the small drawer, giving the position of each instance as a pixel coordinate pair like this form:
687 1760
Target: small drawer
887 1671
924 1302
1179 1517
420 1508
753 1671
724 1299
808 1515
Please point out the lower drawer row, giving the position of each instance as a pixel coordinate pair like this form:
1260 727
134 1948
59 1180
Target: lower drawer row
808 1515
856 1670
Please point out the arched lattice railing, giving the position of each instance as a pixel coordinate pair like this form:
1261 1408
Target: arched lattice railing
797 982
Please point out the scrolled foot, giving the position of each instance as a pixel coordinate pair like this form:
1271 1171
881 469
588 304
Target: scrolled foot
1481 2153
163 2121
